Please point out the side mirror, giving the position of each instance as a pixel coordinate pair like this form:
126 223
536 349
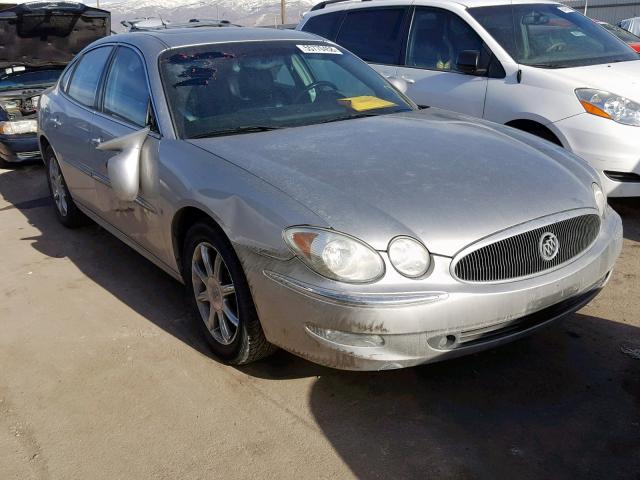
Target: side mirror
124 167
468 61
398 83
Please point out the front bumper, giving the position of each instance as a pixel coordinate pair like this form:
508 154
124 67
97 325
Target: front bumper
19 148
609 147
424 321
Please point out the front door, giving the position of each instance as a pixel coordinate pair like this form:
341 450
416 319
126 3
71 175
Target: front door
125 109
436 39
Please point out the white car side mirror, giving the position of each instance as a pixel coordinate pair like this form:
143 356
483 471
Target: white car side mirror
124 168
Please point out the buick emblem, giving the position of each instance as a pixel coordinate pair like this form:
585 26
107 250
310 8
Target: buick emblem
549 246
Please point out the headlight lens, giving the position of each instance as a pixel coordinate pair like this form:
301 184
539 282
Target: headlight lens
335 255
18 127
608 105
601 199
409 257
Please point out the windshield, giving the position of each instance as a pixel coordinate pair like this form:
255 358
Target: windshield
551 36
232 88
29 79
621 33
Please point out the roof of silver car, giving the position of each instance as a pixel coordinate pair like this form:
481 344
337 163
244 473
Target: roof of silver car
190 36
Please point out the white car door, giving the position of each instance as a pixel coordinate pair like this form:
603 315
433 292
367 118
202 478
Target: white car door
436 39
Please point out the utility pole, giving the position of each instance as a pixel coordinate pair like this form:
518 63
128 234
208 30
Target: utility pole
283 14
97 3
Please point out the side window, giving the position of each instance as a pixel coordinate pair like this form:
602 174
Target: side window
126 94
64 80
86 76
282 77
375 35
437 37
324 25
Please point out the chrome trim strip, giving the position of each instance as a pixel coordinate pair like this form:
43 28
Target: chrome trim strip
139 200
363 300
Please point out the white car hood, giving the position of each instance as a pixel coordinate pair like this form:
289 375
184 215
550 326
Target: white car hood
619 78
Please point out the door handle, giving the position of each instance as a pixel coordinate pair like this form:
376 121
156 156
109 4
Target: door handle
96 141
408 79
56 122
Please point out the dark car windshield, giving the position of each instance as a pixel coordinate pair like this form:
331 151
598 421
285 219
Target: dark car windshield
551 36
28 79
224 89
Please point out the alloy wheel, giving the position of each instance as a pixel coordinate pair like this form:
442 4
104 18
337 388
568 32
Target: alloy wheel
57 187
215 293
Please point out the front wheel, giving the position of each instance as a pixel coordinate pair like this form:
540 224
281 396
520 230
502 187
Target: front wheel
220 297
66 209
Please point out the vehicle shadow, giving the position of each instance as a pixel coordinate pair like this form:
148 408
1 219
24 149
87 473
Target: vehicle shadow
120 270
562 403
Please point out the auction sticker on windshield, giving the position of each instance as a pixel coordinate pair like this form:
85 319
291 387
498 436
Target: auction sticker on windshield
319 49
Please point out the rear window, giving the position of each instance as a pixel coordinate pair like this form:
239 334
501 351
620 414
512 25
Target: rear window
375 35
324 25
84 83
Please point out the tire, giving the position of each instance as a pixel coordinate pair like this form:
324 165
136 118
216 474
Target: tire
220 299
66 209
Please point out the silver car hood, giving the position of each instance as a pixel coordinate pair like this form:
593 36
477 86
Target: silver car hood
446 179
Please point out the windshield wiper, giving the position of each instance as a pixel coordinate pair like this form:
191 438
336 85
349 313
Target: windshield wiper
351 117
545 65
237 131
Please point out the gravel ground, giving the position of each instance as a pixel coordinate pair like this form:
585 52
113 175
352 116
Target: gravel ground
103 377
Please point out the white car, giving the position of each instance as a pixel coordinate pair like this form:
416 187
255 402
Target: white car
537 66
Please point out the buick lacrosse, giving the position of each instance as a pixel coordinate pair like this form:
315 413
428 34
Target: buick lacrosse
308 204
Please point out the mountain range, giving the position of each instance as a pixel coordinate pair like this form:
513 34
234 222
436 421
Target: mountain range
242 12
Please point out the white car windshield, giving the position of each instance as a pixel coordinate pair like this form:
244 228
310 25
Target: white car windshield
226 89
551 36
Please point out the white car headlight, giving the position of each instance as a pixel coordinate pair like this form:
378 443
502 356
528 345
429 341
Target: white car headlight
608 105
335 255
18 127
601 199
409 257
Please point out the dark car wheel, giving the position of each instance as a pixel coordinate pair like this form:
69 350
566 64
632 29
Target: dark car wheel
220 297
66 209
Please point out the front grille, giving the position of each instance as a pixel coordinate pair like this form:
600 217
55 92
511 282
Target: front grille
519 256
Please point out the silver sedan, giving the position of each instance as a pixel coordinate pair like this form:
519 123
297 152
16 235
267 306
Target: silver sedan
306 203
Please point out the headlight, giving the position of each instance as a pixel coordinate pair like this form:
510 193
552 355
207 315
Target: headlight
607 105
409 257
335 255
18 127
601 199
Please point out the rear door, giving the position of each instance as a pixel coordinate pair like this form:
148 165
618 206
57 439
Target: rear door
436 38
126 108
71 135
376 36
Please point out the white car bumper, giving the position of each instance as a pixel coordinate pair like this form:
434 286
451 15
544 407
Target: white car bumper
611 148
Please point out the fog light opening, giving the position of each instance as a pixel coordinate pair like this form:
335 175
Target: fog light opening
447 341
337 337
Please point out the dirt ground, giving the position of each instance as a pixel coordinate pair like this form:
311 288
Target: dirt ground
103 377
